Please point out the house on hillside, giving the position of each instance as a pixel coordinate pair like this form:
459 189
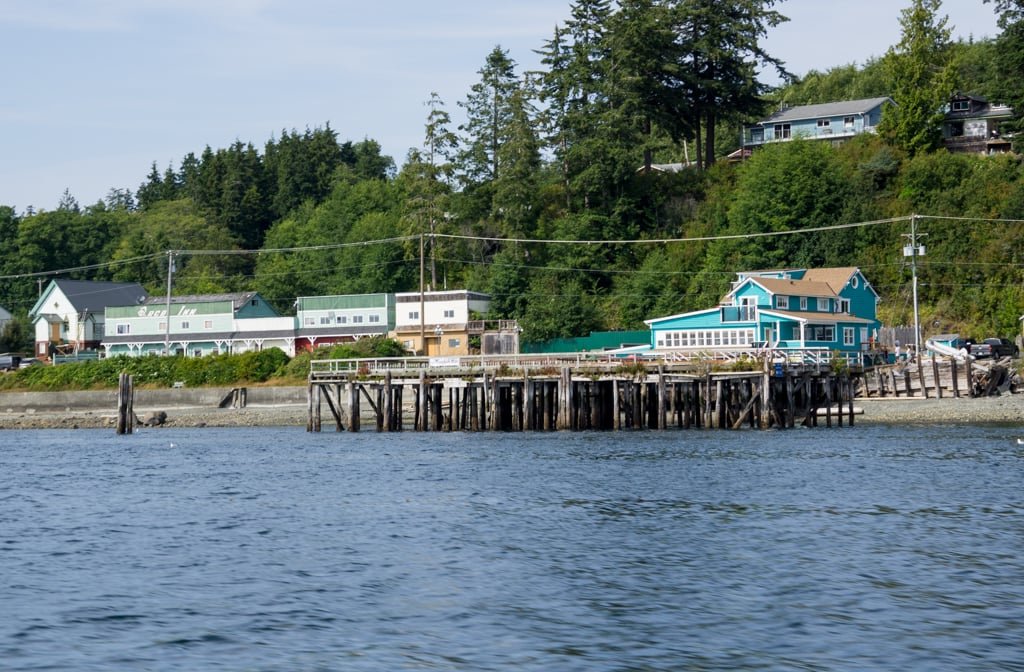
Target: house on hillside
198 325
824 309
972 124
325 320
450 323
833 122
69 316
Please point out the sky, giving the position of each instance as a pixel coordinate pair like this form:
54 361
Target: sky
95 91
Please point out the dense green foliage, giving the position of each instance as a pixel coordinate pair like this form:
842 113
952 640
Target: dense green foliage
266 366
531 197
212 370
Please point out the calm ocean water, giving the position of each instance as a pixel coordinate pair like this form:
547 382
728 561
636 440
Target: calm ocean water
865 548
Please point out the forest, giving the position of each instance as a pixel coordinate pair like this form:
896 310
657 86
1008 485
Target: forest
547 196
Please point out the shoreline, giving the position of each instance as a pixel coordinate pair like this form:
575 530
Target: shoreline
1008 408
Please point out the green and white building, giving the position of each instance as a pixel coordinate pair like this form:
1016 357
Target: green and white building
197 325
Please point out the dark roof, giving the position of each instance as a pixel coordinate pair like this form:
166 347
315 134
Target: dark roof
826 110
237 299
87 295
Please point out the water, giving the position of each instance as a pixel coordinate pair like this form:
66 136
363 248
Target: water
865 548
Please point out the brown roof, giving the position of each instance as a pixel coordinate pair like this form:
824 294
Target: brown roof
836 278
797 287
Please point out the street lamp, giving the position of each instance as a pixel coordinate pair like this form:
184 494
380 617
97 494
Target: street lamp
438 332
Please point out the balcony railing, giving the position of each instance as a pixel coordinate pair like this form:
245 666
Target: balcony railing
738 313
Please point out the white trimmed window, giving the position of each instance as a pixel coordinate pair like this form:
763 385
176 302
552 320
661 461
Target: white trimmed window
124 329
848 336
706 338
782 302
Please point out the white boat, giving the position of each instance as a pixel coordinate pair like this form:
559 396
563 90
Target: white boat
947 350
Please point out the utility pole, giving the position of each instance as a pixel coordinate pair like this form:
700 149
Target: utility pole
167 316
913 250
423 338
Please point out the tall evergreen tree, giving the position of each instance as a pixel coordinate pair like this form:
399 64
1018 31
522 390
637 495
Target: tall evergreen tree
720 42
488 115
1009 59
922 73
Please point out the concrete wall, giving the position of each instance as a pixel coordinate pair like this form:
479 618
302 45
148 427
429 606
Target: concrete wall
204 397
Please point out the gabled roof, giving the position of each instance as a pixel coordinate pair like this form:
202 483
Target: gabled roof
237 299
94 296
835 278
980 108
797 287
826 110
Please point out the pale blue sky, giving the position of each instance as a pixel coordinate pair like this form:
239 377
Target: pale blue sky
94 91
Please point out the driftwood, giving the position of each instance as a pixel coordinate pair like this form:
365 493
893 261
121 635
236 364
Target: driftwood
937 376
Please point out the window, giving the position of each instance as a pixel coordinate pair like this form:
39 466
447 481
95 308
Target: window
823 305
821 333
184 324
824 126
706 338
782 302
449 314
306 321
803 303
208 324
357 319
783 131
342 319
374 318
847 335
407 345
162 326
414 314
961 105
324 319
124 329
848 123
453 342
198 352
254 302
842 305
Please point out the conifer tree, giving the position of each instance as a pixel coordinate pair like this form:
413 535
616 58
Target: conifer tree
922 73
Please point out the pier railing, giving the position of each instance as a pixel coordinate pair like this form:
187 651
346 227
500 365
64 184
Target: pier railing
537 362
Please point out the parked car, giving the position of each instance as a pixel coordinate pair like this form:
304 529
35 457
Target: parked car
1002 347
31 361
9 362
980 350
974 348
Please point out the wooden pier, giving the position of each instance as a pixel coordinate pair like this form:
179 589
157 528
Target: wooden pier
938 377
577 398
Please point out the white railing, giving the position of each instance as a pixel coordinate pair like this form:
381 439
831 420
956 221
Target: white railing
524 363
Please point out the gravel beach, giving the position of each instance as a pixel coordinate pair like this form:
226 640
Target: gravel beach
1007 408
